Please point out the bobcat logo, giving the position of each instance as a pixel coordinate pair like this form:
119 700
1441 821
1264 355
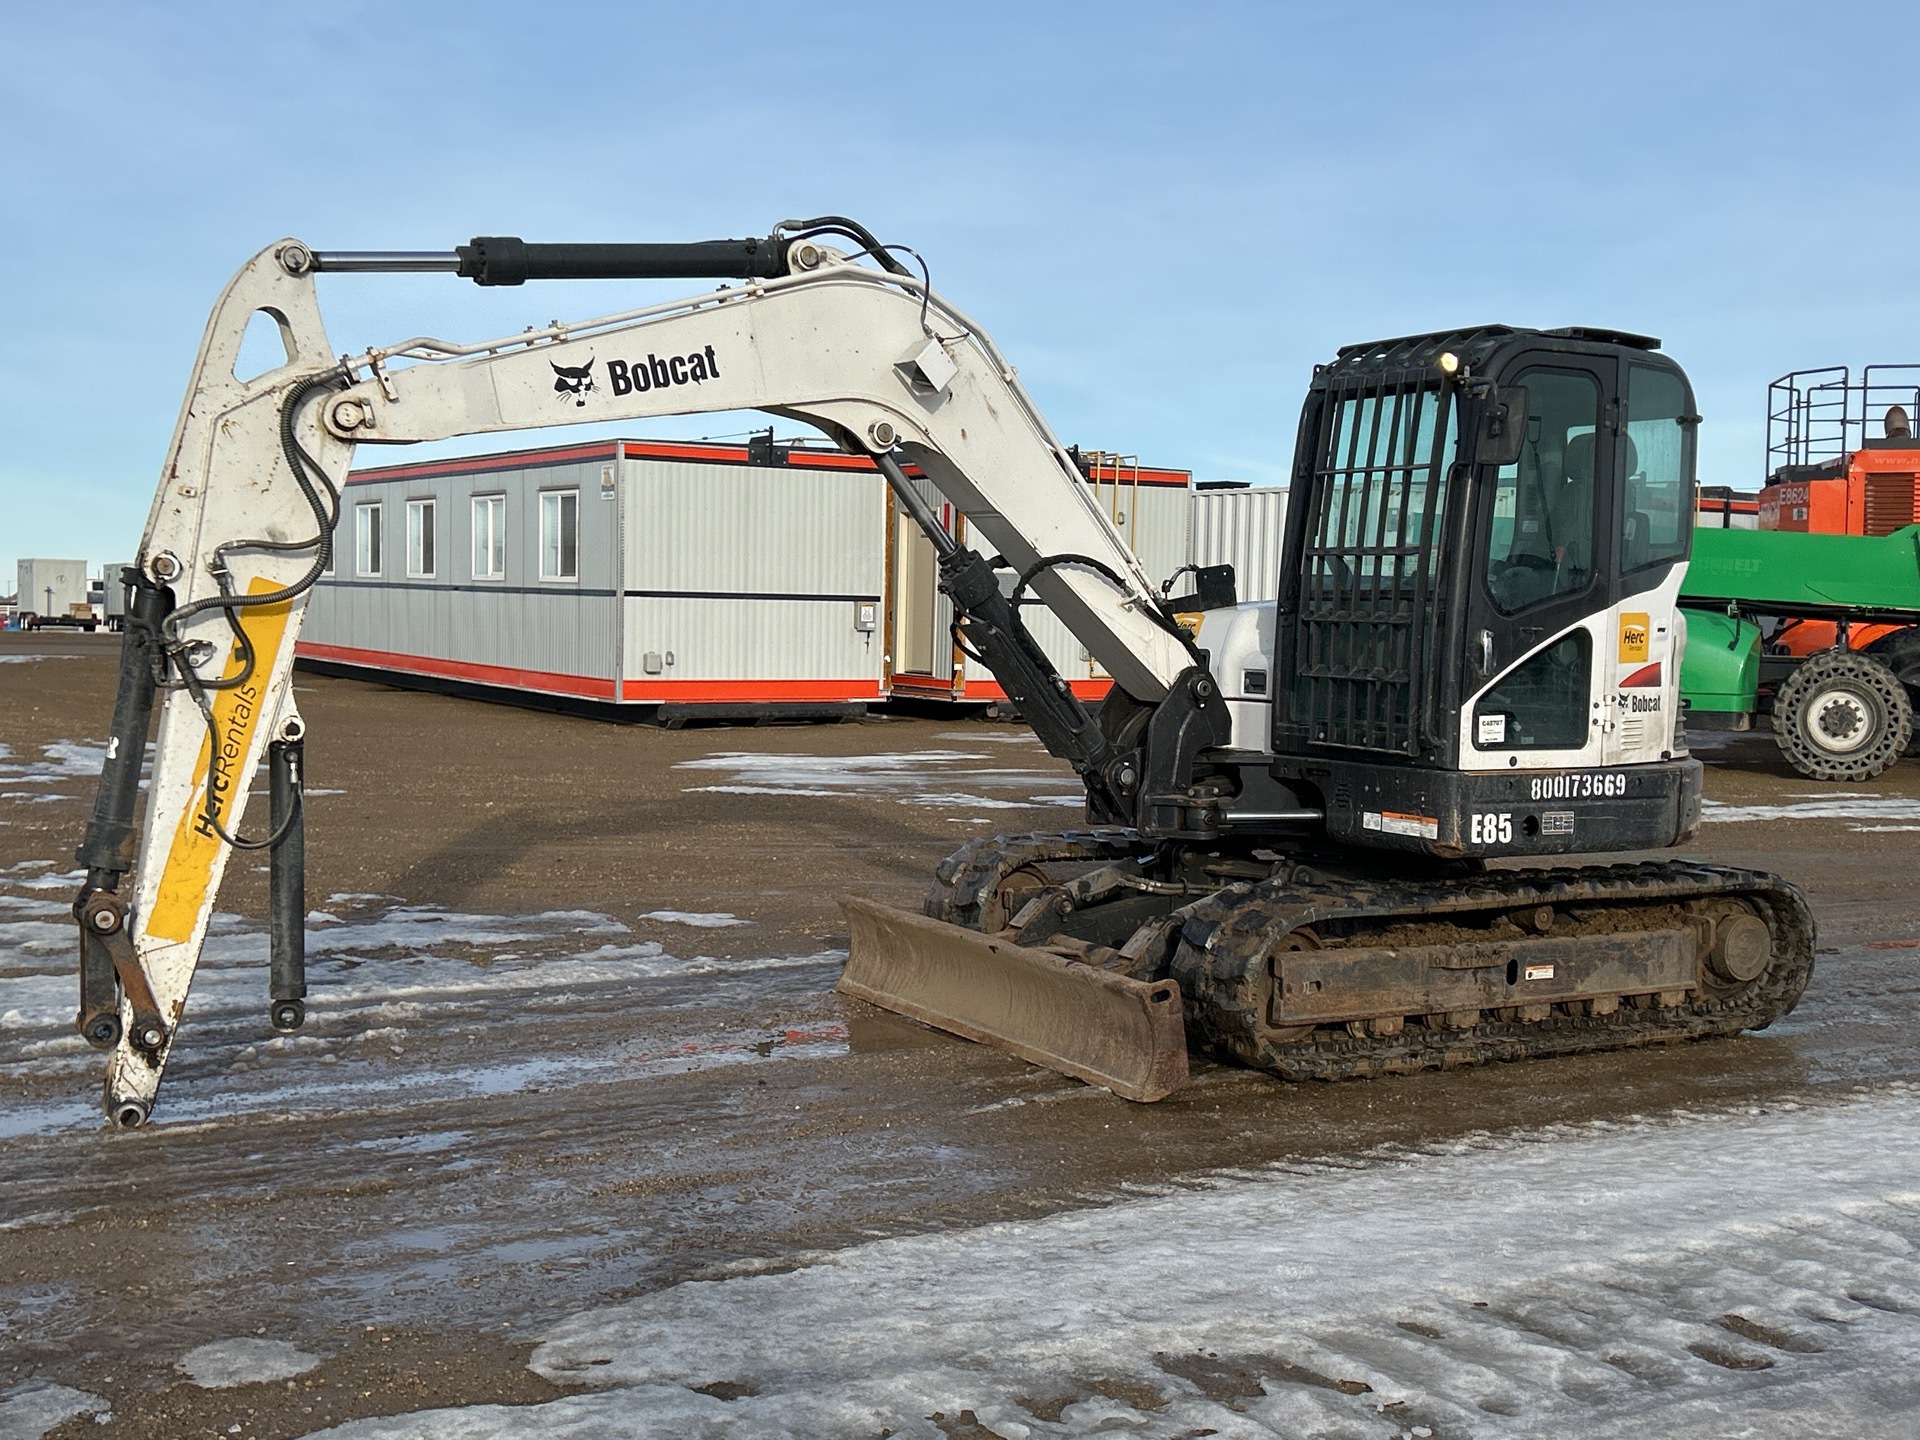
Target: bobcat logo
574 380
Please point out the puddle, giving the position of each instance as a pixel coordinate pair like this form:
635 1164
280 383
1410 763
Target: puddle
400 997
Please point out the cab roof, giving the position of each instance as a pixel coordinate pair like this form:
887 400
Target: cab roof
1473 345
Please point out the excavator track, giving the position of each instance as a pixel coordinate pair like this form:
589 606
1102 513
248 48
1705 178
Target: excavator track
1229 951
971 887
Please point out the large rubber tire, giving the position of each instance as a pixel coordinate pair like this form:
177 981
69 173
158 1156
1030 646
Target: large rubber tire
1842 715
1900 653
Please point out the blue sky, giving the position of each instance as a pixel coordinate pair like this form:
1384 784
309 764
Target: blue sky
1164 214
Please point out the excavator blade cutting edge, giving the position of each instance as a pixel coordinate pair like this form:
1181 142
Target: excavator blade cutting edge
1092 1024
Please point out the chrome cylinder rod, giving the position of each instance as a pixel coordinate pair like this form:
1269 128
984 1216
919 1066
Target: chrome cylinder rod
386 262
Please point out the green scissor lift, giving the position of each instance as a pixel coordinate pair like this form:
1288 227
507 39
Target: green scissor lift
1840 713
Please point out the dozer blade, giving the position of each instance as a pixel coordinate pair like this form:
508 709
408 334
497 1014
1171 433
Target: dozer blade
1092 1024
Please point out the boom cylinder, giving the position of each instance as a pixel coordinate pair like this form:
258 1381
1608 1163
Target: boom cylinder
107 846
106 850
509 260
287 884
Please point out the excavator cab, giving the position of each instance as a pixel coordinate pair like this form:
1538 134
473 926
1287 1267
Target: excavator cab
1477 640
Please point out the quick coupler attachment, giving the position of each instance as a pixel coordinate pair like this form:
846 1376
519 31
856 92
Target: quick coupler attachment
287 884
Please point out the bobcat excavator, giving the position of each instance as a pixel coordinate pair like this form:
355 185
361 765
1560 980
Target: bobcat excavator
1303 816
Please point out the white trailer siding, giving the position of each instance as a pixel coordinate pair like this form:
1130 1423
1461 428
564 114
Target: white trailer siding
1244 529
744 584
116 601
695 578
548 636
51 587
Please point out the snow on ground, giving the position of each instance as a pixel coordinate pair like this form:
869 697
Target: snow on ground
943 778
29 1411
1708 1275
376 971
64 770
1821 805
62 760
220 1364
698 919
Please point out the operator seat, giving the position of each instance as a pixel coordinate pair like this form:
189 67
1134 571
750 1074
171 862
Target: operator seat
1636 527
1532 569
1572 511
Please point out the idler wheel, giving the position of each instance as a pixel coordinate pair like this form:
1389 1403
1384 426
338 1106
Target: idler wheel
1742 947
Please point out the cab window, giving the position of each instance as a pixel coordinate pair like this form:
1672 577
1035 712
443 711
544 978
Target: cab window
1655 521
1541 705
1541 527
1386 489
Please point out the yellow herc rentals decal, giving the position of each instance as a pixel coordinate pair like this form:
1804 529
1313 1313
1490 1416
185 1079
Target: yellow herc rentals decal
236 716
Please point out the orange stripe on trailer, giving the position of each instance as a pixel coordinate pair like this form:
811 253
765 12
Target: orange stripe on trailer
707 691
992 690
590 686
500 460
797 459
685 692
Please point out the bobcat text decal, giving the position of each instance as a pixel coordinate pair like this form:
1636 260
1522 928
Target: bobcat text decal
657 373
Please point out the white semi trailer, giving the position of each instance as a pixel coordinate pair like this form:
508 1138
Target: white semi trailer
50 590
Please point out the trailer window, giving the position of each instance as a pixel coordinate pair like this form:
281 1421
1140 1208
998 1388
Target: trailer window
420 539
1540 529
560 535
366 539
489 537
1654 521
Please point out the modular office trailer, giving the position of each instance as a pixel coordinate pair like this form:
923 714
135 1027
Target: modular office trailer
678 579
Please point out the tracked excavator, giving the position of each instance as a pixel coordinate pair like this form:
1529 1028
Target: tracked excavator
1324 835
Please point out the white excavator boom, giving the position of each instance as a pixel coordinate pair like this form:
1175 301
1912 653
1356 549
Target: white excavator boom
242 520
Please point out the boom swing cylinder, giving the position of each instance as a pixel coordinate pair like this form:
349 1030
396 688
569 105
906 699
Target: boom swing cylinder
1213 792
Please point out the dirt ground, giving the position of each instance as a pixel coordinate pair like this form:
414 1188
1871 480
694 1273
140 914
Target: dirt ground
419 1182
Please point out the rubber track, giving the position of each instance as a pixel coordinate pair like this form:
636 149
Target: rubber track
1221 962
968 878
1226 985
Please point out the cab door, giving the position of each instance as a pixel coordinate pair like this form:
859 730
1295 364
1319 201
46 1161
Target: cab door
1652 526
1540 600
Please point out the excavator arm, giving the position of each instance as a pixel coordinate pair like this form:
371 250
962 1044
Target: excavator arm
242 524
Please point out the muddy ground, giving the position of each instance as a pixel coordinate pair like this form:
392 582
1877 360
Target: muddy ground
598 1087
